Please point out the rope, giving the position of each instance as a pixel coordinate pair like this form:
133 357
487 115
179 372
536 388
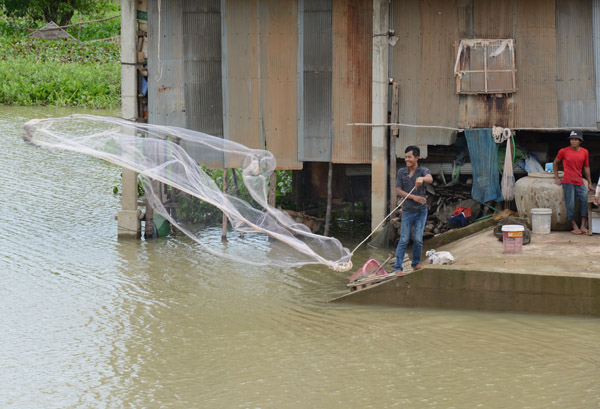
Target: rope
384 219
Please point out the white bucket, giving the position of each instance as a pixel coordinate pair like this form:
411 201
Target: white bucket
540 220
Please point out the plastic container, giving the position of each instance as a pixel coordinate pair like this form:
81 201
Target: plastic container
595 222
512 237
162 227
541 220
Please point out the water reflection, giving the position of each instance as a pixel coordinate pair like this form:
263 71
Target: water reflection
89 321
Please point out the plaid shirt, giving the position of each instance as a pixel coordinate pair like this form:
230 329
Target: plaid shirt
406 183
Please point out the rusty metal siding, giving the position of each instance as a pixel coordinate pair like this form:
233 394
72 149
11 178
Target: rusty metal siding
166 95
488 20
202 66
202 73
535 38
437 83
352 22
315 85
278 74
493 19
406 67
575 64
549 35
242 88
422 64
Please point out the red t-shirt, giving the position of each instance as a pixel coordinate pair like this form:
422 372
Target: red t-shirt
573 161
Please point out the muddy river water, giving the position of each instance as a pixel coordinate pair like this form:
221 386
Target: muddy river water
89 321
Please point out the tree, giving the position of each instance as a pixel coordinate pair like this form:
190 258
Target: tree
59 11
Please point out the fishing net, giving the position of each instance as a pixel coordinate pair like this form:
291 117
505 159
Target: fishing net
508 178
178 161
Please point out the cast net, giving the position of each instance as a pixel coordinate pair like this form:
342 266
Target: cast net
174 165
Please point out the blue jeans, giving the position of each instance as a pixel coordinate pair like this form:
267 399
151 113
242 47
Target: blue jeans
572 192
411 220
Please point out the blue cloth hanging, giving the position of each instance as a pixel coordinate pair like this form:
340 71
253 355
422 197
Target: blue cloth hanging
484 162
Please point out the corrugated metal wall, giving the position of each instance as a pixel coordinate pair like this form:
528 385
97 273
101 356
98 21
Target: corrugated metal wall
279 80
575 57
315 81
423 60
292 74
166 95
264 73
535 39
487 20
202 66
242 92
554 62
184 74
352 22
406 63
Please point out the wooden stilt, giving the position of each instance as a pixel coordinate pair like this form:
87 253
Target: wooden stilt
237 188
224 231
329 195
149 228
273 189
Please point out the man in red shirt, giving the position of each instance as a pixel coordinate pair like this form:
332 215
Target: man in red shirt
574 158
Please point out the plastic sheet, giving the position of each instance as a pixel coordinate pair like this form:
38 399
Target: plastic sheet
484 153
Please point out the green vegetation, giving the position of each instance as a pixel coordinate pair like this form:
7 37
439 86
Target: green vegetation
100 29
62 73
59 11
197 211
52 83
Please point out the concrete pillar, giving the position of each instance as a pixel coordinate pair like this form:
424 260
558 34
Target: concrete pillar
128 218
379 112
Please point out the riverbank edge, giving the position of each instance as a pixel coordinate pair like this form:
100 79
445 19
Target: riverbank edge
543 279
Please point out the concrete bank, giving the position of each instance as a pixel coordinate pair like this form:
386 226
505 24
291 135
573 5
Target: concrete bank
557 273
